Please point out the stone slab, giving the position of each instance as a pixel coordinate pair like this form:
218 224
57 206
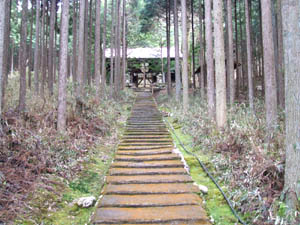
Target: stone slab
141 144
146 152
149 164
149 171
148 140
150 215
142 133
149 179
146 136
149 200
147 158
143 147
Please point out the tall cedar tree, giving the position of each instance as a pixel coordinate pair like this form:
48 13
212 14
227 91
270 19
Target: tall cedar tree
86 76
269 66
177 58
201 51
97 46
237 50
124 54
168 20
23 57
261 51
209 60
243 61
220 63
117 50
249 55
103 80
37 48
81 59
112 47
230 60
193 45
185 81
74 44
29 49
63 70
291 41
89 44
6 50
43 51
2 30
281 88
51 47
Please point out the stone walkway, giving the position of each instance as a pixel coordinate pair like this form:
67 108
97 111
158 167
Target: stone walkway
147 182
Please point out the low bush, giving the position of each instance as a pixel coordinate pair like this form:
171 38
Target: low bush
251 167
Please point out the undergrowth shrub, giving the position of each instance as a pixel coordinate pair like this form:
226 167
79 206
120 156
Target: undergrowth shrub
243 160
31 148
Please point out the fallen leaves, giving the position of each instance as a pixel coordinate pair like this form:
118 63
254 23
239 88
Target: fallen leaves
252 170
31 147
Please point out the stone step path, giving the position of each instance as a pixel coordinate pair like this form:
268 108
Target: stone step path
147 182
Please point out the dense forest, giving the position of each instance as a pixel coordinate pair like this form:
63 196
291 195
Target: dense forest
230 84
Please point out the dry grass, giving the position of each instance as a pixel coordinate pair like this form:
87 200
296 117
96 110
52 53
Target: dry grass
31 147
240 158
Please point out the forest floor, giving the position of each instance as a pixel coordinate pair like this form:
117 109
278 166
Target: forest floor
42 172
250 171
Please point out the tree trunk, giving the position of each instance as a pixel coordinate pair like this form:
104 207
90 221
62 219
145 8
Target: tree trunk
291 41
23 57
29 50
237 83
209 60
226 48
193 45
112 54
51 47
80 63
269 66
117 50
12 64
249 57
275 44
5 67
220 64
262 51
47 32
243 46
74 31
177 58
43 52
169 81
97 46
62 99
185 57
230 61
104 48
86 40
89 44
2 56
201 52
124 55
37 48
55 55
280 57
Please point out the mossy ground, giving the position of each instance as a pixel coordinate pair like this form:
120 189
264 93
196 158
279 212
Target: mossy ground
57 207
54 204
214 202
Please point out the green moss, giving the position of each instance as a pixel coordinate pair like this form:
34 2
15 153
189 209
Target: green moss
215 203
89 183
